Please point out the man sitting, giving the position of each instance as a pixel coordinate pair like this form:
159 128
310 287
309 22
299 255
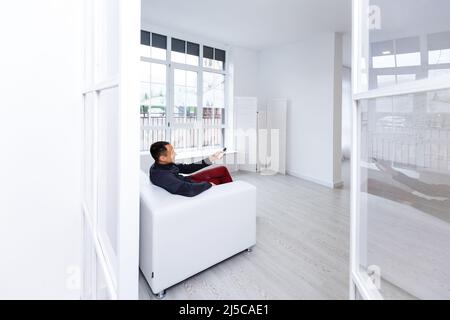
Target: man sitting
166 174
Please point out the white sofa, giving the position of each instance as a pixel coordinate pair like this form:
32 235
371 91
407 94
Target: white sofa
180 237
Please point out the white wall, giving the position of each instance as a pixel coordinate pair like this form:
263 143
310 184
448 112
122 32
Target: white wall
346 113
347 50
337 110
40 134
244 74
246 70
305 73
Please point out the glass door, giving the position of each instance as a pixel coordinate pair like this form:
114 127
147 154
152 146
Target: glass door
110 198
401 150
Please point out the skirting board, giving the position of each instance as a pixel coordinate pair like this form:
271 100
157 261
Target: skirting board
328 184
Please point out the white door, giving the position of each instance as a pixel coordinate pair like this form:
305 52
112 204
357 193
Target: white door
111 150
246 132
400 220
276 126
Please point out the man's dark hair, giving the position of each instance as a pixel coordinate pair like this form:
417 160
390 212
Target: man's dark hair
158 149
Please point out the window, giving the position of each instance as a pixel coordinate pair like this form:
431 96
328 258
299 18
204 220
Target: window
398 53
408 52
213 98
185 96
439 56
401 78
386 81
153 102
408 59
387 61
153 45
412 58
213 108
185 52
439 48
182 100
213 58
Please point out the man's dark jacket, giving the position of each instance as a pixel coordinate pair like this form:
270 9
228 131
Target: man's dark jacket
168 177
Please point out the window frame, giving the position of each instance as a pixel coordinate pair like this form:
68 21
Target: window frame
227 125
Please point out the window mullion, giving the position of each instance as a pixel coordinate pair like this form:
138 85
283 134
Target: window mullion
170 91
200 100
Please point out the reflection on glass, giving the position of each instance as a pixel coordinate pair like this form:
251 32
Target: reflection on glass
405 78
404 37
439 56
408 59
390 80
386 81
437 73
439 48
380 62
405 194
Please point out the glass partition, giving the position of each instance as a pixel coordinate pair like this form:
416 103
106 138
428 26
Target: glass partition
404 216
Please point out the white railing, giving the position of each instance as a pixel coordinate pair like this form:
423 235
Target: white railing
184 133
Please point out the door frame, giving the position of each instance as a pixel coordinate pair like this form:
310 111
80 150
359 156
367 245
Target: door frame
121 279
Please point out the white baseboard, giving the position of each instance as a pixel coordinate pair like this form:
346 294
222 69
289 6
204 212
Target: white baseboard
328 184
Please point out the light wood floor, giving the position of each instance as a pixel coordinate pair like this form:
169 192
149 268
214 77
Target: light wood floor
302 249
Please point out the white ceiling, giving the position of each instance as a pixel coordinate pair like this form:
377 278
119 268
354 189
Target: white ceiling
255 24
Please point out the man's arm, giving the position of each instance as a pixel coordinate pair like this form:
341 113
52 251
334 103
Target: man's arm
193 167
176 186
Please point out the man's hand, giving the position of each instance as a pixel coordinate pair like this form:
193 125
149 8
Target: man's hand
213 184
216 156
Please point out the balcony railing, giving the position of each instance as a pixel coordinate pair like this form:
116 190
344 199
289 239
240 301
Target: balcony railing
154 129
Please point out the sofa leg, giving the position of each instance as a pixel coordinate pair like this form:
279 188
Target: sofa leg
161 295
250 250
